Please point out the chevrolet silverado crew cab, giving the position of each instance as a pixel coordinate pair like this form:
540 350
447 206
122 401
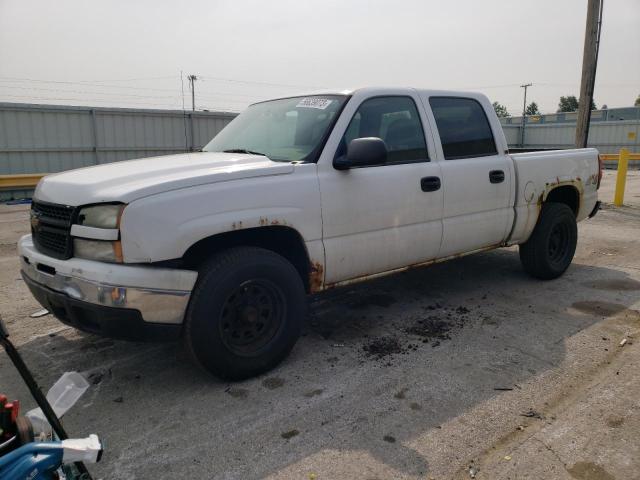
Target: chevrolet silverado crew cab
295 196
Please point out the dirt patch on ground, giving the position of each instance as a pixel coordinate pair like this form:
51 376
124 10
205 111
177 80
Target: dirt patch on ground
313 393
589 471
383 347
605 309
431 328
289 434
626 284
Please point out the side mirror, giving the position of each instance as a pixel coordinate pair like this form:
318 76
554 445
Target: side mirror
363 152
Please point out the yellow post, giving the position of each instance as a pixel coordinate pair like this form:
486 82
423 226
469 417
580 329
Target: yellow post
621 179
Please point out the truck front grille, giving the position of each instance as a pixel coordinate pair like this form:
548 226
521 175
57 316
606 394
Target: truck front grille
51 229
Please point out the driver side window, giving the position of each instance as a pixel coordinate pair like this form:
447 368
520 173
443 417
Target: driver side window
396 121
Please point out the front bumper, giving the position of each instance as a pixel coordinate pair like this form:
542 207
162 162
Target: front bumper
121 301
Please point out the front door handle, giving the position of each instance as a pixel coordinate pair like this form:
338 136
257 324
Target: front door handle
496 176
430 184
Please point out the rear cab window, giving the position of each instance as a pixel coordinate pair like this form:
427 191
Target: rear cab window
463 127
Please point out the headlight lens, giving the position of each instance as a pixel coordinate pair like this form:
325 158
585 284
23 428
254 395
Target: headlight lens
101 216
99 250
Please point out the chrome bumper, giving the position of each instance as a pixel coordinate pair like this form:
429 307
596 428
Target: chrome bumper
157 305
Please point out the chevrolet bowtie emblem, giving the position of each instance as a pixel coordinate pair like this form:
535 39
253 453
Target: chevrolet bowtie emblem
35 220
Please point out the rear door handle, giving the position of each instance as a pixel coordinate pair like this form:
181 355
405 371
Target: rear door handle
430 184
496 176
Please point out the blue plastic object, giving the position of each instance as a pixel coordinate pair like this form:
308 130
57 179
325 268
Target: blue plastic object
33 461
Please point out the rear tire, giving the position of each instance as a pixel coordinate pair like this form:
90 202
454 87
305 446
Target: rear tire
550 249
245 314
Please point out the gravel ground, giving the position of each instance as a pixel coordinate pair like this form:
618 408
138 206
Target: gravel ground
467 366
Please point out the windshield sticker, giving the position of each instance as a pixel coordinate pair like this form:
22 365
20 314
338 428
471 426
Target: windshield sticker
320 103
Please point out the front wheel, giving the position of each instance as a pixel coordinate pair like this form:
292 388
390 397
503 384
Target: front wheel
550 249
245 313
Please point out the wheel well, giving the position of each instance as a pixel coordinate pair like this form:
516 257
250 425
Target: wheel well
565 194
282 240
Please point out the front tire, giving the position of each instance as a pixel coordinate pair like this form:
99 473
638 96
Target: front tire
550 249
245 314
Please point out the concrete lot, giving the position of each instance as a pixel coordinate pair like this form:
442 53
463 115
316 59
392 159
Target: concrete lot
493 371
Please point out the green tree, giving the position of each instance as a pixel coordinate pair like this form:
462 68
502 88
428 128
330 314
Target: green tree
532 109
637 102
501 110
570 104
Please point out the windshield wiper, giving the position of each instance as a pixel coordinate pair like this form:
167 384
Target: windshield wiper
244 150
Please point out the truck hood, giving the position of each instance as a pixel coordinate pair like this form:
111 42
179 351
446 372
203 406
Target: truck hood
133 179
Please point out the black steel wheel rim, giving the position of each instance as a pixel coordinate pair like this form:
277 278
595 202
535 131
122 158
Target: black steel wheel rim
251 316
559 241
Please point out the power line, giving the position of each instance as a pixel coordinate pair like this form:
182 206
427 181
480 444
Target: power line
120 94
83 101
229 80
130 79
251 98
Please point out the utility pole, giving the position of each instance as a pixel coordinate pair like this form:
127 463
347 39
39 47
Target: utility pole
589 65
524 109
192 83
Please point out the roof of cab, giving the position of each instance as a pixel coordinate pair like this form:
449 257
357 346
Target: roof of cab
384 90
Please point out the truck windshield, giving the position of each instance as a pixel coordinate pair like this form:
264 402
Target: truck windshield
285 130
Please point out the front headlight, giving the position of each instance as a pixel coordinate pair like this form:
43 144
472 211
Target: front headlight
99 250
96 233
101 216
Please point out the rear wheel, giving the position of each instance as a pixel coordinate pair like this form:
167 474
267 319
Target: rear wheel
245 314
550 249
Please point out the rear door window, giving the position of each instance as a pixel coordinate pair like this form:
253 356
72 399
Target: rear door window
463 127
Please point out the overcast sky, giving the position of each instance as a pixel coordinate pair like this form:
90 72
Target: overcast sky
130 53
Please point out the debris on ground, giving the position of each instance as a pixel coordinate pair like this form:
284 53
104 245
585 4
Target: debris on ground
273 382
473 471
401 394
96 377
431 328
382 347
289 434
40 313
532 414
503 389
313 393
389 439
622 342
237 392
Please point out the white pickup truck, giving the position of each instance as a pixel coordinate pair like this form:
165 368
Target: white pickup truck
295 196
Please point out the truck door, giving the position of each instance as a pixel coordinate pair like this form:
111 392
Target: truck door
477 177
381 217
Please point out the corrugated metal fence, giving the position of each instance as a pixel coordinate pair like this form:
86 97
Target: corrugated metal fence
51 138
607 137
